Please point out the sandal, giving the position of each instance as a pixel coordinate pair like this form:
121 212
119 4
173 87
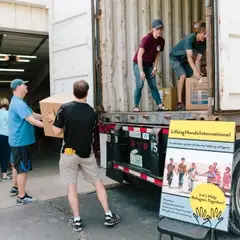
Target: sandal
136 109
162 108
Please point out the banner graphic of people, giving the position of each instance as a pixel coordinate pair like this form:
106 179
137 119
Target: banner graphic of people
198 172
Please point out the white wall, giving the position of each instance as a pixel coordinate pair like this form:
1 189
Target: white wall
24 16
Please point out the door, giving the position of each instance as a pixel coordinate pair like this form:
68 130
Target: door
228 49
71 45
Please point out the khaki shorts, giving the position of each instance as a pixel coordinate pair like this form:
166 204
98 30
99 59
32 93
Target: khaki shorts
70 165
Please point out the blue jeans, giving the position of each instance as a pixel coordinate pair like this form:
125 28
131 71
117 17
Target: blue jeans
152 83
5 153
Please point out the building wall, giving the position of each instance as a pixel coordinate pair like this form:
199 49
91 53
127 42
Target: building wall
123 23
24 16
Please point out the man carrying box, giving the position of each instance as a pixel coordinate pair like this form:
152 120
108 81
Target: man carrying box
21 120
186 56
77 121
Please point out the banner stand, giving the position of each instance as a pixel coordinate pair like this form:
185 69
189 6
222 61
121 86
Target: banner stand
184 230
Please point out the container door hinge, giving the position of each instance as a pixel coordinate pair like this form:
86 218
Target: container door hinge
97 62
98 15
210 101
208 11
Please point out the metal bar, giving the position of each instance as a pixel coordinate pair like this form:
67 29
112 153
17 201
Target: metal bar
98 57
1 40
216 54
209 55
39 46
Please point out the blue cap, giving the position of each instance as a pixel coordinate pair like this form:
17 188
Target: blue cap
17 82
157 23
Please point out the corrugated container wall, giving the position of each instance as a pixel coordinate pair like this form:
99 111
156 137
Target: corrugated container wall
122 25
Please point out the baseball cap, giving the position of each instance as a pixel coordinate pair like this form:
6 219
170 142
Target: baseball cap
17 82
157 23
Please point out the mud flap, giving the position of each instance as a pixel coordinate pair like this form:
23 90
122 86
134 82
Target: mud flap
154 154
113 155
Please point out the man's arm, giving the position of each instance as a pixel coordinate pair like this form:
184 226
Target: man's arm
26 113
34 121
58 123
189 42
198 61
57 131
191 61
139 58
156 60
37 116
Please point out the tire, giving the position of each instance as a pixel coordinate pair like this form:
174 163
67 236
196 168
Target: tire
234 220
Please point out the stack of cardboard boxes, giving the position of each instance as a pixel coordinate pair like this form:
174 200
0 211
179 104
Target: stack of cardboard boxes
196 95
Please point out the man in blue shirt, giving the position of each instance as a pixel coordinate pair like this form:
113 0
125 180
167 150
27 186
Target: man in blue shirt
21 120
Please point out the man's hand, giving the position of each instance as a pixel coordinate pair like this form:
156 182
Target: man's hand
154 72
142 74
197 75
50 117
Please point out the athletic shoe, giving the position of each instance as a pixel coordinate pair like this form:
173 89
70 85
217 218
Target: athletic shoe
14 191
76 225
111 220
25 200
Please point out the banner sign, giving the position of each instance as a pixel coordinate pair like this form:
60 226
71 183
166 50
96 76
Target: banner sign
198 173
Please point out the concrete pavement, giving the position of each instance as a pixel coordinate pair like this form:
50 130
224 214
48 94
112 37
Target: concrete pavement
48 187
47 220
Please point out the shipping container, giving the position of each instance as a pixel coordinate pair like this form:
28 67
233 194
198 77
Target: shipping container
122 25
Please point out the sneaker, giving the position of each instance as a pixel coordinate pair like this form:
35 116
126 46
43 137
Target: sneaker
180 107
7 179
162 108
76 225
26 200
111 220
9 172
14 191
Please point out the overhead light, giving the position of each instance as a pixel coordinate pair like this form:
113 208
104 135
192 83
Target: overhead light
25 56
20 56
4 35
11 70
19 60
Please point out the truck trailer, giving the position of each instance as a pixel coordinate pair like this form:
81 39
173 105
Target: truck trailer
96 41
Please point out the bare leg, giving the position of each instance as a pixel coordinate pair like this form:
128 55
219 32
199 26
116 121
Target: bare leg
102 195
73 199
14 177
21 182
180 87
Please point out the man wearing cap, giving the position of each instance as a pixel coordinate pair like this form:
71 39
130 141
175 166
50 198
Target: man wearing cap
186 56
21 120
145 64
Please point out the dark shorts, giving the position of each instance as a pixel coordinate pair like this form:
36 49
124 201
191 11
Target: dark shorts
22 159
181 68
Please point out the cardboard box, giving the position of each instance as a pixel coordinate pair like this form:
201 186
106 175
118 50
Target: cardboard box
169 97
50 105
196 94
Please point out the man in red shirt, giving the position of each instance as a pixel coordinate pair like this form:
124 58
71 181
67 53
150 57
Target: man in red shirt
145 64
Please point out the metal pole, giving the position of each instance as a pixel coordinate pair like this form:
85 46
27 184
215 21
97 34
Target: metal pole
209 55
98 58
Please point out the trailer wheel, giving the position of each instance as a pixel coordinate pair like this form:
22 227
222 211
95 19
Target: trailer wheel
234 222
